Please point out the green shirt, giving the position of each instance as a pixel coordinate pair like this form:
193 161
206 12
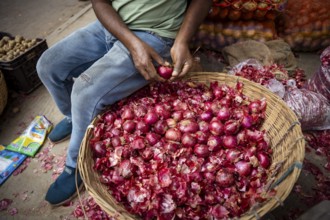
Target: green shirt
163 17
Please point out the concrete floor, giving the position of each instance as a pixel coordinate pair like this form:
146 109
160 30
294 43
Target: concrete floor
27 189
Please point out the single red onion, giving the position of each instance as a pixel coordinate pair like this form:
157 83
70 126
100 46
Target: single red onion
129 126
188 125
165 71
150 118
201 150
233 155
223 113
229 141
160 127
99 149
231 127
264 159
173 134
214 143
142 127
127 114
206 115
109 117
188 140
243 168
152 138
216 127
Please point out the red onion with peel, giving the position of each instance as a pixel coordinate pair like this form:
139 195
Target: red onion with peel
220 212
231 127
173 134
109 117
127 114
206 116
99 149
229 141
160 127
152 138
188 140
129 126
150 118
247 121
201 150
142 127
203 126
233 155
165 71
171 122
202 137
214 143
264 159
162 112
223 113
243 168
188 125
216 127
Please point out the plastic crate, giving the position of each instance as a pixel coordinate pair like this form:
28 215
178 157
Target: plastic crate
20 73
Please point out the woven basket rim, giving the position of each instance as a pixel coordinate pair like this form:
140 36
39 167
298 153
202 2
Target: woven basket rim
292 159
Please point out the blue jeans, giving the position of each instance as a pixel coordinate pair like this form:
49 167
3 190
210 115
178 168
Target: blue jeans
90 70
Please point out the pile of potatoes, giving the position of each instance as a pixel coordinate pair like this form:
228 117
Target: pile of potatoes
10 48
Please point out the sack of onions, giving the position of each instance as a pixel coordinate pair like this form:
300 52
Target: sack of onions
305 26
320 81
217 35
312 109
235 10
191 150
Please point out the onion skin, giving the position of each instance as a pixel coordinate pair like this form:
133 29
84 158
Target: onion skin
224 178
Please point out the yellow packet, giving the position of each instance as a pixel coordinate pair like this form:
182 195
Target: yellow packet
33 137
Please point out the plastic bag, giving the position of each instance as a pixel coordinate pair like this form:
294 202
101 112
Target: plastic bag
320 81
276 87
312 109
33 137
252 70
9 162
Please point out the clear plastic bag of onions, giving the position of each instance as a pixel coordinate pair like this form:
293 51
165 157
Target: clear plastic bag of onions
320 81
311 108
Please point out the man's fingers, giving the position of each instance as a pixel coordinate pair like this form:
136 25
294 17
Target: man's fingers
181 69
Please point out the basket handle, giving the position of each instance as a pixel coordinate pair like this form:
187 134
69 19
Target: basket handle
296 164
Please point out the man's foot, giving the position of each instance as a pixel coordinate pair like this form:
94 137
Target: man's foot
64 188
61 131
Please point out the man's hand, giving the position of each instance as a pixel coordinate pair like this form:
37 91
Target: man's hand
182 59
143 55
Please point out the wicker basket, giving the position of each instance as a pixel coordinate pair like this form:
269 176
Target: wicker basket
3 93
282 128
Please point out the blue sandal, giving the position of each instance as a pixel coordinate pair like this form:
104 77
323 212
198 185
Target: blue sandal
64 188
61 131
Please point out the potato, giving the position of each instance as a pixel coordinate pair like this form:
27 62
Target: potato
18 38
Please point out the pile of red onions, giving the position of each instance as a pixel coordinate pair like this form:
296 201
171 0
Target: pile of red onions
184 150
263 74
